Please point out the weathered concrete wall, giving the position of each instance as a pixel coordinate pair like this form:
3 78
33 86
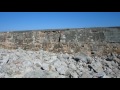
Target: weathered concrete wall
70 41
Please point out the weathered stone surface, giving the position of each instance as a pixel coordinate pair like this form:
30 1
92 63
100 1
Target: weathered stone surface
74 53
65 41
86 75
33 74
82 57
27 64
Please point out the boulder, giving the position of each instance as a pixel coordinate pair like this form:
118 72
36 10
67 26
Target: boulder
61 70
82 57
72 66
45 66
96 66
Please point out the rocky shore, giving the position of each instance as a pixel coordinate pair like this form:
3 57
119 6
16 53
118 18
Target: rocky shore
62 53
21 63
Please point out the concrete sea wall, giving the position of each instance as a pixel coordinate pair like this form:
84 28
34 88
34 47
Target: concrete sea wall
90 40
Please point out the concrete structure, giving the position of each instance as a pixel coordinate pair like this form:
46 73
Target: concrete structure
102 40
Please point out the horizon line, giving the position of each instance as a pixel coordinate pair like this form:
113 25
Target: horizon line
55 29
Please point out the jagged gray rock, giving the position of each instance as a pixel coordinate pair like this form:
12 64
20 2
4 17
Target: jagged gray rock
42 64
83 57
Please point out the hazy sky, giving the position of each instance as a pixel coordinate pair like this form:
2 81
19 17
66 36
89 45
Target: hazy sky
50 20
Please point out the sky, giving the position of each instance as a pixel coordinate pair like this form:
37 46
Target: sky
16 21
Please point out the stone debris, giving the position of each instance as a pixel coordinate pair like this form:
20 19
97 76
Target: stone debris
42 64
